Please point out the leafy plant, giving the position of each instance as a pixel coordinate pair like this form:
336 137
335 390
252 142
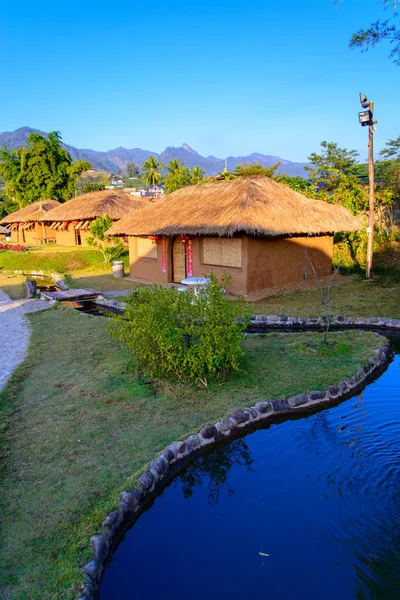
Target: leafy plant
184 335
110 247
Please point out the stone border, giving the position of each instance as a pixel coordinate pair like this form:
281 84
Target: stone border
58 280
274 322
176 455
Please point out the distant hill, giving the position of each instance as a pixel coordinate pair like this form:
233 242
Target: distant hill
114 160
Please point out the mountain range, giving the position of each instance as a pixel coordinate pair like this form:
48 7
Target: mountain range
114 160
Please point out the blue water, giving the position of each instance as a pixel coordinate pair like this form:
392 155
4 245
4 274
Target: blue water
320 495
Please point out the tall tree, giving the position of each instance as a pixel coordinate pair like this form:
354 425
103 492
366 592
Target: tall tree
197 175
132 170
173 165
379 31
331 165
179 178
41 171
151 171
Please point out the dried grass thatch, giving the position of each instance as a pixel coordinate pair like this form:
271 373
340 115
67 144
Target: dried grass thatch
115 203
253 205
31 213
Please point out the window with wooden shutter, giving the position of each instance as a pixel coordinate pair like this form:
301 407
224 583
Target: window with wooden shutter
223 252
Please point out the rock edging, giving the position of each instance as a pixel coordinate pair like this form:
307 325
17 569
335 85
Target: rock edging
132 503
271 322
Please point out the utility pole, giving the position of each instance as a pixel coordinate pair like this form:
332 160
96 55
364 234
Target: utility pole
366 118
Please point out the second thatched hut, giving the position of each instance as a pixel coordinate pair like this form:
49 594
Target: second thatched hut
70 221
254 228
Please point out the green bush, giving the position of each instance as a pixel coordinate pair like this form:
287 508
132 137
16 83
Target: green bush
183 335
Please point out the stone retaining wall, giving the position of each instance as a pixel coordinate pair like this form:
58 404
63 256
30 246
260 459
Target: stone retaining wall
151 482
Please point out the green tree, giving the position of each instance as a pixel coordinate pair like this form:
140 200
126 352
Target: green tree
41 171
379 31
181 177
298 184
92 186
132 170
331 165
247 170
173 165
197 175
110 247
151 171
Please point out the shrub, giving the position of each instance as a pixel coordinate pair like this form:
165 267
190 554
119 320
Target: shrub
184 335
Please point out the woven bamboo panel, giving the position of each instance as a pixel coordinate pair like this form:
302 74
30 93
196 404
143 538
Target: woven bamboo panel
145 248
179 261
224 252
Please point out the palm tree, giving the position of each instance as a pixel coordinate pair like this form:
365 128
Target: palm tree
173 165
151 170
197 175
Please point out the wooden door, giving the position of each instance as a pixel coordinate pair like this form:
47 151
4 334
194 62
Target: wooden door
179 260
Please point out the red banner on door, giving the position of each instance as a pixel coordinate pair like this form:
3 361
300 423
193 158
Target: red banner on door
164 255
189 259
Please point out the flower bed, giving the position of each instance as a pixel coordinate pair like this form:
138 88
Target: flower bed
14 247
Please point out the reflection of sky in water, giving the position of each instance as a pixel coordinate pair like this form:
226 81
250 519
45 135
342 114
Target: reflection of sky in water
319 495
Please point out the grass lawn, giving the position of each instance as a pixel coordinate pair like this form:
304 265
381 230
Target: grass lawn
59 259
13 285
78 428
103 281
355 299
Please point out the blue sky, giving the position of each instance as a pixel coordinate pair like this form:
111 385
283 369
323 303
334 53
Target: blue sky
228 78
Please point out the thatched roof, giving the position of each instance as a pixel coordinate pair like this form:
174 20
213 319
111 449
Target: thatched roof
254 205
115 203
32 212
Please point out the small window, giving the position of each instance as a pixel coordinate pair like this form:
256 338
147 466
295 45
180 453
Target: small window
224 252
146 248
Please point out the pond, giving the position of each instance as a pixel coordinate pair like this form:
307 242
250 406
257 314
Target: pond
305 509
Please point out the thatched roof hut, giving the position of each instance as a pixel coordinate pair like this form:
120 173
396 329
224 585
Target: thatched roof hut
31 213
256 206
115 203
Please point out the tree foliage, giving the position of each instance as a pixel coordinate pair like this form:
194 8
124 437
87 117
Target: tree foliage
41 171
298 184
173 165
151 171
178 178
249 170
132 169
379 31
110 247
331 165
92 186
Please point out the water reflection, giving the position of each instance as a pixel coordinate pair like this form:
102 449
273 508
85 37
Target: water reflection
212 470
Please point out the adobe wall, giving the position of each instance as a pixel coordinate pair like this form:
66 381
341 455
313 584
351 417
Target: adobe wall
239 275
148 268
67 237
277 262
